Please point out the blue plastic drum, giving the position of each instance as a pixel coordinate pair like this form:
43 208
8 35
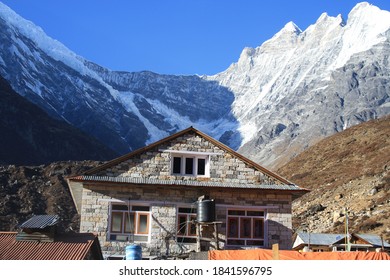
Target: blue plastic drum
133 252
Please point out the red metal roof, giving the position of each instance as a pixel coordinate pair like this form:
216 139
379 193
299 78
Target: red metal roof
75 246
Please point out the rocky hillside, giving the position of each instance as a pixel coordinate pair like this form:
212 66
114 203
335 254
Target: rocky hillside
28 190
349 171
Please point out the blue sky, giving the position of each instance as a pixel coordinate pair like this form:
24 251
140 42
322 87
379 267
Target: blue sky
171 36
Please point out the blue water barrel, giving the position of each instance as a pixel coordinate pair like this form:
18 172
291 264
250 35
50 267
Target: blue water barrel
133 252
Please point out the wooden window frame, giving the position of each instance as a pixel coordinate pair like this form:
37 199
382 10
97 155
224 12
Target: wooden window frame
139 214
121 225
237 219
240 218
195 165
124 222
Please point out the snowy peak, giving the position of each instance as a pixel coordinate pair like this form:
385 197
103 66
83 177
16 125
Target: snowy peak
298 87
50 46
291 27
288 33
366 27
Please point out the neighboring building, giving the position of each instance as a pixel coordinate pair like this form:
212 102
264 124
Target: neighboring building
325 242
38 240
149 197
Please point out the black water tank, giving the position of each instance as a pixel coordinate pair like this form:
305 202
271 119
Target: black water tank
205 211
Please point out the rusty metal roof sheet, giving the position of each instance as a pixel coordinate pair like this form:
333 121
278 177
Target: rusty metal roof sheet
147 181
65 247
41 221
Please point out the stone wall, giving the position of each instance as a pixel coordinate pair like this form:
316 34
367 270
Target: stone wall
164 201
156 164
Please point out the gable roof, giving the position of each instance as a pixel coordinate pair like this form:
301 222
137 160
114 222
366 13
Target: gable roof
251 163
329 239
317 239
75 246
372 239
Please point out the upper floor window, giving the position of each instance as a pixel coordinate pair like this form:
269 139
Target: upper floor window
190 165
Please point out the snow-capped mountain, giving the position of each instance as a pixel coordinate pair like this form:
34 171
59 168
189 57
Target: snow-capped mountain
301 86
123 110
278 99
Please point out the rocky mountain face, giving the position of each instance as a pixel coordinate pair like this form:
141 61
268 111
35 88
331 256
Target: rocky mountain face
123 110
348 174
301 86
30 136
277 100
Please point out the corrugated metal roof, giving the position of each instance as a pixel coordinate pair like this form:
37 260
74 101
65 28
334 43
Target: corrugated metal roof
372 239
147 181
41 221
65 247
320 238
328 239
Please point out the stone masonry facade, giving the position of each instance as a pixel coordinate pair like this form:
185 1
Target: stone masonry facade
164 202
155 163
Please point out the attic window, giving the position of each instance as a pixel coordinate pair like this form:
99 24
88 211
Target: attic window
190 165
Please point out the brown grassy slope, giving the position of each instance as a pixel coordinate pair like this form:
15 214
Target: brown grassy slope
349 170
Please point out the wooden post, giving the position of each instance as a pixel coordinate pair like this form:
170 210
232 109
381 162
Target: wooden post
216 234
197 237
275 251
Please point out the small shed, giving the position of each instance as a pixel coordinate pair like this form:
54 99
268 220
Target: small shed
325 242
39 240
315 241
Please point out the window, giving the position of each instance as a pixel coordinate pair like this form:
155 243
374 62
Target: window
186 229
129 223
190 165
245 227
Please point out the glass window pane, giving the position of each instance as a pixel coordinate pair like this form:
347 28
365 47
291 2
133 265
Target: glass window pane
129 223
120 207
143 224
187 210
233 227
201 166
236 212
176 165
236 242
141 238
189 166
256 213
192 227
141 208
258 228
182 225
116 222
255 242
246 227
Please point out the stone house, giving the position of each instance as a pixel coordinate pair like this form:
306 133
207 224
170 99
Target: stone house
150 197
